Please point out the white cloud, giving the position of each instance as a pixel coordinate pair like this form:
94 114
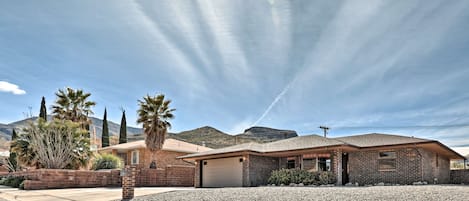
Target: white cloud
9 87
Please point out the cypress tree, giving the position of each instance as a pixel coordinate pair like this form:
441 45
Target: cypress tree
105 133
123 129
12 159
43 111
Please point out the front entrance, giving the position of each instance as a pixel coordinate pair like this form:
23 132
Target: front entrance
345 178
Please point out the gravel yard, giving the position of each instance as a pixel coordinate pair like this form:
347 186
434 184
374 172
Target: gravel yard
427 192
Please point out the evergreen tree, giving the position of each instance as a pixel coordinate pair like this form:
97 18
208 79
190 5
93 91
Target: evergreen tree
43 111
123 130
13 164
105 133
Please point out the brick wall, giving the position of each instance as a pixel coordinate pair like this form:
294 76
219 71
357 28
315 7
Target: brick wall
51 178
460 176
170 176
411 165
260 169
180 176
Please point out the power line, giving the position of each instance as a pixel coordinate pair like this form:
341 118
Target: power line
389 127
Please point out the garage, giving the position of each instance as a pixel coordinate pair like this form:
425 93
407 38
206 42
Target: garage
222 172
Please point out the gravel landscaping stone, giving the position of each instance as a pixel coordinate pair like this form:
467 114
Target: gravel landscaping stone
426 192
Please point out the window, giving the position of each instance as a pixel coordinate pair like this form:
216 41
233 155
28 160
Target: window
309 164
324 164
134 157
290 164
123 156
387 161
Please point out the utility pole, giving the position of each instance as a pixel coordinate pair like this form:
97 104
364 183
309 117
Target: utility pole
325 128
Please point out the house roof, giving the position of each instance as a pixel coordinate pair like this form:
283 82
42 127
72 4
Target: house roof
377 139
316 141
169 145
300 142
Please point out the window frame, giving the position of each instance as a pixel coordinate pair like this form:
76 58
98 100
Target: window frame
387 158
132 157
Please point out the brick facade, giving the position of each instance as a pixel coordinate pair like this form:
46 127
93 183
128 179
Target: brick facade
412 164
260 169
163 158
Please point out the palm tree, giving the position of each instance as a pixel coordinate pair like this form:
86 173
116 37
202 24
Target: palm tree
73 105
154 113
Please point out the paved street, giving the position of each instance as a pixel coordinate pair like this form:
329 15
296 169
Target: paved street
387 193
88 194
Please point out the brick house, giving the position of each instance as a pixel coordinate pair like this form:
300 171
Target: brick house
135 153
170 171
363 159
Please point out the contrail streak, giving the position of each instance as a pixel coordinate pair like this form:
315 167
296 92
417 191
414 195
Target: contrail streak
279 96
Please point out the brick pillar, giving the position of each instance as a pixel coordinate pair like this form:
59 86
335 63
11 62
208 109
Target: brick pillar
197 173
128 182
337 165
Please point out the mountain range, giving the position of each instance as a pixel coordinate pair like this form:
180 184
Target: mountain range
207 136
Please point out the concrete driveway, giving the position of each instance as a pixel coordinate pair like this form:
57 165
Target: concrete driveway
88 194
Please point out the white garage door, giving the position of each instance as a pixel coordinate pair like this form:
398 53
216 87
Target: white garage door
223 172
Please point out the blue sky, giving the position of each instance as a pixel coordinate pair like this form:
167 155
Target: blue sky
356 66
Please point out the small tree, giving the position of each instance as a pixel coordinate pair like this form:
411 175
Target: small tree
43 111
105 132
123 129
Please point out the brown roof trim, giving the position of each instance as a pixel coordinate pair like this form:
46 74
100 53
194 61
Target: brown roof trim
416 143
451 150
241 152
400 144
305 149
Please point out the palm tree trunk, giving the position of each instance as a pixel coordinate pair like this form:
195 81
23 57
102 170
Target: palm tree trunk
153 160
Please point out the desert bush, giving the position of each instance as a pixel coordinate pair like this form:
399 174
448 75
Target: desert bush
287 176
107 161
327 178
12 181
21 186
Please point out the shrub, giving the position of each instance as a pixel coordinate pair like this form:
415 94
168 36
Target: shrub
107 161
287 176
327 178
12 181
21 186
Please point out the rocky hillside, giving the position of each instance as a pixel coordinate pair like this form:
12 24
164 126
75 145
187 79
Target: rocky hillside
214 138
206 135
267 134
6 129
